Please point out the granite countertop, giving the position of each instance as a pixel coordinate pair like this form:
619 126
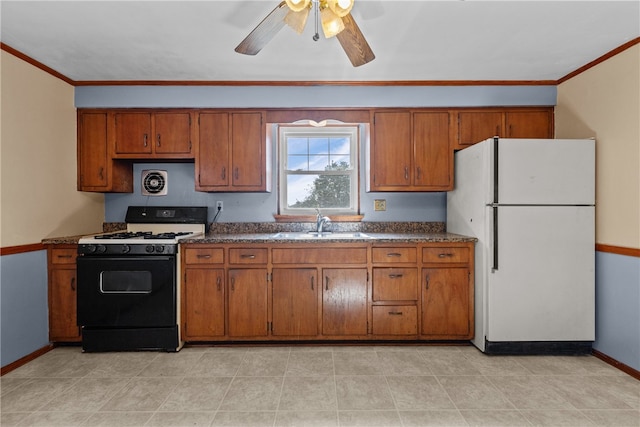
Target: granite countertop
373 237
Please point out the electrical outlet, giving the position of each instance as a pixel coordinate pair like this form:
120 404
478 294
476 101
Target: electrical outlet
219 206
379 205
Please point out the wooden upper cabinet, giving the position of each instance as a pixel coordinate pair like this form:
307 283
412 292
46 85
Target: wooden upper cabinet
472 126
529 124
153 135
97 171
410 151
232 152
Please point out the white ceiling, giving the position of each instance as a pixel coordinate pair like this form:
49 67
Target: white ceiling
412 40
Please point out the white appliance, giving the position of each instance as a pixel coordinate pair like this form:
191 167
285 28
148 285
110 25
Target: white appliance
531 205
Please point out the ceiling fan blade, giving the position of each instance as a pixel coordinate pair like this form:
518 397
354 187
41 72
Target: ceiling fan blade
354 43
264 32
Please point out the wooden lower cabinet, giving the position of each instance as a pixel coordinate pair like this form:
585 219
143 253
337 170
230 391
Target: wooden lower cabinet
204 293
248 302
295 302
328 291
61 268
344 301
445 302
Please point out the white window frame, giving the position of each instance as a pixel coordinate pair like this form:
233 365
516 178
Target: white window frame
350 130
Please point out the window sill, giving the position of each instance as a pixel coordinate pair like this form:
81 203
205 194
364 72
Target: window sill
312 218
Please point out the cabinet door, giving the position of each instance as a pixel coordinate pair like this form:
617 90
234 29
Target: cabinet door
248 152
172 133
445 302
133 133
204 303
212 162
344 301
62 305
295 302
391 150
433 167
92 151
247 302
529 124
476 126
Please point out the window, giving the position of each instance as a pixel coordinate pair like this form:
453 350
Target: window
318 169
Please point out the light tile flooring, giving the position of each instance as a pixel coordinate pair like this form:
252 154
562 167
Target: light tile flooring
317 386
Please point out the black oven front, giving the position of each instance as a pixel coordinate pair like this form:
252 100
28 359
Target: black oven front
127 302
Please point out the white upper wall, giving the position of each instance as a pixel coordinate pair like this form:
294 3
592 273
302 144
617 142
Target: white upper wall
604 102
38 191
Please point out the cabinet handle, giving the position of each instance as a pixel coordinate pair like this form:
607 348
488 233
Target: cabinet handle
418 173
406 173
445 255
395 313
207 256
101 173
144 140
233 284
158 143
219 283
498 130
312 283
248 256
395 276
426 279
236 173
393 254
224 173
73 284
326 283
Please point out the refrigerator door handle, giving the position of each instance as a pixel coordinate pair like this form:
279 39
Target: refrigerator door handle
495 238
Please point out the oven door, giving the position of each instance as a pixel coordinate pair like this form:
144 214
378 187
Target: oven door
126 292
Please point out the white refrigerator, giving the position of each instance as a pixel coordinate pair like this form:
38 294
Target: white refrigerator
531 205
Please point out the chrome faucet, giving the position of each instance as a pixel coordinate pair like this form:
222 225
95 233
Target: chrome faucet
321 222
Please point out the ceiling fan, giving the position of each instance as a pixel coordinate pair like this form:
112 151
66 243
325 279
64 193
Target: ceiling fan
333 15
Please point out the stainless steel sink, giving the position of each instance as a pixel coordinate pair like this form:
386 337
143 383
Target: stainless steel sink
320 236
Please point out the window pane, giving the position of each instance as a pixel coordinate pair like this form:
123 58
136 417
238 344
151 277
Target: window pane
341 145
318 191
297 163
319 145
297 145
318 163
340 162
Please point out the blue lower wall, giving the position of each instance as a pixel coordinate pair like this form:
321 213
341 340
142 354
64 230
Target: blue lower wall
24 318
618 307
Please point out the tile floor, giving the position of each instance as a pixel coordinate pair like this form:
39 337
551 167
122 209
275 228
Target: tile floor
317 386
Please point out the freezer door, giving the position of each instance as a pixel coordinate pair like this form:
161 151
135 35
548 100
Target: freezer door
546 171
543 287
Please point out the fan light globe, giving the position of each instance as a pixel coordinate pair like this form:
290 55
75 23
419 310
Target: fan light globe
297 5
332 25
340 7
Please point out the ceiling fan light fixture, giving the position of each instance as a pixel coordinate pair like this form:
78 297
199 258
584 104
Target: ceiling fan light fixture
298 5
340 7
332 24
297 20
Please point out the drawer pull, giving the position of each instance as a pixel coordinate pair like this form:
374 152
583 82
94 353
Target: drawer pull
395 313
393 254
207 256
64 256
395 276
248 256
445 255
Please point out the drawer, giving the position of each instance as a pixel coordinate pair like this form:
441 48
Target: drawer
204 255
332 255
395 320
394 255
395 284
64 255
248 255
445 254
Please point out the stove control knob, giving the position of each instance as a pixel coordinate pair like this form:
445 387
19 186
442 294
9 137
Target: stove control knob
88 249
126 249
149 249
159 248
101 249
